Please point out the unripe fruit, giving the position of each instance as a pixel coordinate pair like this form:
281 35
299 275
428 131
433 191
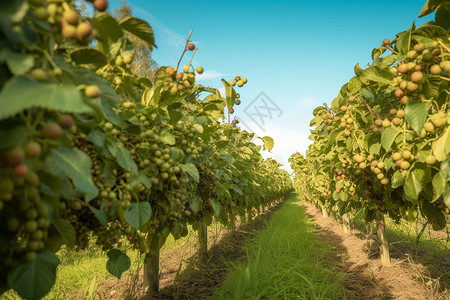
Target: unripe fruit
406 154
128 59
386 123
191 46
402 68
232 83
400 113
69 31
71 17
199 70
411 66
179 76
445 65
404 99
101 5
403 85
404 165
41 13
240 83
378 122
238 102
84 29
419 47
431 159
15 156
393 71
31 226
92 91
20 171
13 224
416 76
435 70
30 256
384 181
428 126
438 120
39 74
117 81
380 165
396 156
411 54
52 131
398 93
380 176
185 69
66 121
396 121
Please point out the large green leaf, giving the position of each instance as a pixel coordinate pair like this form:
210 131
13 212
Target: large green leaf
118 262
404 40
216 207
430 6
168 138
110 34
268 143
388 136
416 114
191 170
123 156
230 94
88 57
441 147
74 164
376 74
137 214
66 230
443 15
139 28
18 63
414 184
21 93
195 203
33 280
438 186
12 12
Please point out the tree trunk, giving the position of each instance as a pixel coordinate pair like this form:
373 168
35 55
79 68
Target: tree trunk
346 224
382 239
151 272
324 213
203 240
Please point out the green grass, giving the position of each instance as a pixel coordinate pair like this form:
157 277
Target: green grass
285 261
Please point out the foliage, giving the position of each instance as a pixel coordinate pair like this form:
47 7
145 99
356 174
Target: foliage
92 150
383 146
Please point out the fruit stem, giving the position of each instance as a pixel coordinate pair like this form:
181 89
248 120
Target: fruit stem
390 48
185 48
190 62
370 109
443 45
444 78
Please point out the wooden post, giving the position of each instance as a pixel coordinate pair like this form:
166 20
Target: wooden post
203 240
324 212
151 272
346 224
382 239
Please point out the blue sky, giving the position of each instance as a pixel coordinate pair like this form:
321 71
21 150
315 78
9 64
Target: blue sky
299 53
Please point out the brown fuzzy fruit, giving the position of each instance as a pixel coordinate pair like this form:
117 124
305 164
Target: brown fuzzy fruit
191 46
386 42
84 29
179 76
416 76
66 121
231 110
101 5
20 171
69 32
431 159
52 131
71 17
398 93
15 156
435 70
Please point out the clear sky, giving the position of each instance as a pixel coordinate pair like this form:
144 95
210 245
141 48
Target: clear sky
298 53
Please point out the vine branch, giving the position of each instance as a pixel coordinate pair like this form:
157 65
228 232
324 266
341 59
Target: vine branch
443 45
185 48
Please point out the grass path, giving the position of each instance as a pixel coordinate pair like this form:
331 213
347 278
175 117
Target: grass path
287 260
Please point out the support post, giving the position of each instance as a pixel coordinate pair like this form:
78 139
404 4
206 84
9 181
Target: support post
346 224
382 239
151 272
203 239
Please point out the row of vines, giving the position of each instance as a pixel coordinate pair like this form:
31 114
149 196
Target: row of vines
90 151
383 146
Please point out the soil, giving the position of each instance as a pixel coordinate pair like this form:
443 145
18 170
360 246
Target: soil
186 275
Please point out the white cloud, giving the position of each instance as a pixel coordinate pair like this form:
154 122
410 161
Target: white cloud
307 102
222 92
209 75
167 34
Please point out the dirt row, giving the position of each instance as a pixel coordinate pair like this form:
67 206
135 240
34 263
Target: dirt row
186 276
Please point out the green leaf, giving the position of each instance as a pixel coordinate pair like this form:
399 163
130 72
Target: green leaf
101 215
198 128
66 230
388 136
430 6
139 28
404 40
18 63
216 207
413 184
377 75
11 135
168 138
397 180
74 164
195 203
88 57
441 147
428 33
268 143
416 114
230 94
236 189
438 186
118 262
191 170
110 34
27 93
33 280
123 156
12 12
137 214
443 15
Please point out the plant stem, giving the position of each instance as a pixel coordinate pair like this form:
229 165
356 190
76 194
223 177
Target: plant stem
185 48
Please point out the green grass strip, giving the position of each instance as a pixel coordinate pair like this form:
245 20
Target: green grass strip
285 261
